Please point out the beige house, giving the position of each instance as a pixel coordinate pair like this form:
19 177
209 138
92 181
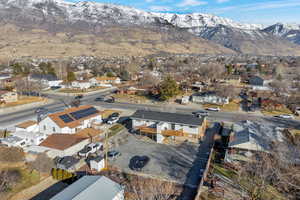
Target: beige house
233 80
105 80
8 96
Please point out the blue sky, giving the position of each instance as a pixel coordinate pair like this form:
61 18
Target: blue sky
250 11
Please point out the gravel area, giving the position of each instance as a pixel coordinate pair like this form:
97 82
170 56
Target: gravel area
167 162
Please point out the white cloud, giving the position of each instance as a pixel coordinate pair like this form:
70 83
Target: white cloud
259 6
189 3
159 8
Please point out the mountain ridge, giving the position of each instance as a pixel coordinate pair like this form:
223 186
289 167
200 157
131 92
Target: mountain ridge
92 18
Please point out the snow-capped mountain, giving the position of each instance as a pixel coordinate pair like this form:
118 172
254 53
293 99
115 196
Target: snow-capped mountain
203 20
109 13
60 15
289 32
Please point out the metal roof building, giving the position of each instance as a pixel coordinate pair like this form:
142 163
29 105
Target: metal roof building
92 188
176 118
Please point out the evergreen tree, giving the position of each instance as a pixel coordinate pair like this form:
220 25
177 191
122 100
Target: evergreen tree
168 88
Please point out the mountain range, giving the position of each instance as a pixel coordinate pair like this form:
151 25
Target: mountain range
187 33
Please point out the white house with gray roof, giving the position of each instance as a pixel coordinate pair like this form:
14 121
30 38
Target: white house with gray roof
92 188
161 125
248 137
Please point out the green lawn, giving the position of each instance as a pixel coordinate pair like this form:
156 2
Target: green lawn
115 129
225 172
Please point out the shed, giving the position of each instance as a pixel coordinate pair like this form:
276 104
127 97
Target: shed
97 163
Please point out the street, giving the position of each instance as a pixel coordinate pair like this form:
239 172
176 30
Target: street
7 120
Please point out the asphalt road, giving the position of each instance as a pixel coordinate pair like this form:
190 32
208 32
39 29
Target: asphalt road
12 118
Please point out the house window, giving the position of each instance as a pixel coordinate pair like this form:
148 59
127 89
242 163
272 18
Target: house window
23 143
53 129
173 126
45 127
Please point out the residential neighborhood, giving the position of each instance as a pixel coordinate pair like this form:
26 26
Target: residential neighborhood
117 134
149 100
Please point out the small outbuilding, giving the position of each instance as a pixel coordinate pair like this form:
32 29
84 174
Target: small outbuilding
97 163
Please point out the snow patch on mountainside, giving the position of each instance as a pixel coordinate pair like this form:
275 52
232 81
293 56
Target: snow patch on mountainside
100 12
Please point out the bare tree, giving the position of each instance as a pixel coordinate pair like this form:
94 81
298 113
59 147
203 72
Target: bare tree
256 175
150 189
148 79
279 87
12 154
227 91
8 178
42 163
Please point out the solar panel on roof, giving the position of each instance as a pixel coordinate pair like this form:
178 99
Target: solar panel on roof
66 118
84 113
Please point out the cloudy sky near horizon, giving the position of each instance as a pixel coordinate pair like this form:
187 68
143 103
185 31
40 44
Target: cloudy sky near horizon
249 11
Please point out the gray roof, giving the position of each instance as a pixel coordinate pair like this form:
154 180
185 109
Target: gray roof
90 188
48 77
67 161
176 118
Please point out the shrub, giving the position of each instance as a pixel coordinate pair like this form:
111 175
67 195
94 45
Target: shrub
11 154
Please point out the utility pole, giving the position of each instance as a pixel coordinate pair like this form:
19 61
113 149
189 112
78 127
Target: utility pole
106 152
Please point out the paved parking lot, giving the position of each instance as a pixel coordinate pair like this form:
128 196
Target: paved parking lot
166 162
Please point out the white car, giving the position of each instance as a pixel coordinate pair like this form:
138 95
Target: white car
286 116
113 120
90 148
216 109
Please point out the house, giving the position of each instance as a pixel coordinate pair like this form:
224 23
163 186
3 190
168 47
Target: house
164 125
197 86
248 137
31 138
48 80
97 163
13 141
256 81
4 76
28 126
105 81
64 144
233 80
185 100
297 111
92 188
81 84
8 96
71 120
69 144
209 97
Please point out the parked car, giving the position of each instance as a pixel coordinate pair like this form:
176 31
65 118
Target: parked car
112 120
137 163
285 116
110 100
55 87
216 109
41 110
79 96
115 115
90 148
113 154
200 113
99 99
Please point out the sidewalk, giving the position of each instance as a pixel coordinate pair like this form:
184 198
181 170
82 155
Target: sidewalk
25 106
83 93
31 192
